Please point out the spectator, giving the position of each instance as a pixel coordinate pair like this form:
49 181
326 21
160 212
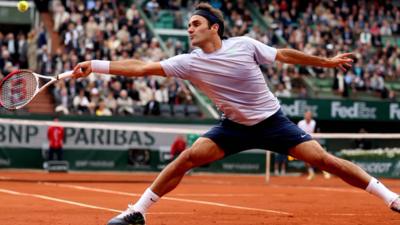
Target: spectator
281 91
152 8
152 107
145 93
94 100
308 124
125 104
11 46
161 94
22 51
110 102
32 50
81 103
340 85
60 93
102 110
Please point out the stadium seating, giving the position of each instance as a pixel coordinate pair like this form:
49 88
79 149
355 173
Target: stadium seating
121 30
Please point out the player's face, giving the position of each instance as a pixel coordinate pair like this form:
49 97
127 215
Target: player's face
198 30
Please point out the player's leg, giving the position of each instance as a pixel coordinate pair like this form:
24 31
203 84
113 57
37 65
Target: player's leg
312 152
203 151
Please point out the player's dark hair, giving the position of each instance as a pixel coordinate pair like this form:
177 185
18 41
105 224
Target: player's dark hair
213 16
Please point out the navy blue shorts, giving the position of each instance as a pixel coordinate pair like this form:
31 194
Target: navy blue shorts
276 133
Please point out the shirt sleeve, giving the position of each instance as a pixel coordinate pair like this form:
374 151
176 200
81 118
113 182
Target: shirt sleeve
263 53
177 66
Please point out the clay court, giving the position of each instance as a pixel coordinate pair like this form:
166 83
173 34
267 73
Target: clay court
37 198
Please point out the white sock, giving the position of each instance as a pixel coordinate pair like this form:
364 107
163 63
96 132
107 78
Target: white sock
146 200
378 189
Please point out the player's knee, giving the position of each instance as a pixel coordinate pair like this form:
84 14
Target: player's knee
186 159
194 158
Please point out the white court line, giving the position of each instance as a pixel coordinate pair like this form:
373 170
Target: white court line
45 197
138 195
218 195
119 211
333 189
57 200
348 214
173 199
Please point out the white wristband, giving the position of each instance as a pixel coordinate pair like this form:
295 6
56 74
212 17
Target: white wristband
100 66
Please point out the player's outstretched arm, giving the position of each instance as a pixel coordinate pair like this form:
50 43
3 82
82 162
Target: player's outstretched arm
129 68
292 56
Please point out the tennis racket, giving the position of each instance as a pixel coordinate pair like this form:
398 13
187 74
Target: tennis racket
19 87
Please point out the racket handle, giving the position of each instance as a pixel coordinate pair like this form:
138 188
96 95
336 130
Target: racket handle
65 75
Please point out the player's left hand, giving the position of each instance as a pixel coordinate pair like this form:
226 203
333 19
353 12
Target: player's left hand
343 61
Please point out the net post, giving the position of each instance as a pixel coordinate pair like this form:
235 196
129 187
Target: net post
267 166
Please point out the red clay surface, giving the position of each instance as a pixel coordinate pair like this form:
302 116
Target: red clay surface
38 198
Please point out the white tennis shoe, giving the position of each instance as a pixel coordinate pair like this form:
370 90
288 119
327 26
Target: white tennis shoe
395 205
128 217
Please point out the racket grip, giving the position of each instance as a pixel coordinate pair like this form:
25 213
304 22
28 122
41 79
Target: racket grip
65 75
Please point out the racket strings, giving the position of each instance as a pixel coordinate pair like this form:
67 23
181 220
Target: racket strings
18 89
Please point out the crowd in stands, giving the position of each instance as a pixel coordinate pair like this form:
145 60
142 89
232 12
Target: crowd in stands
326 28
97 30
319 27
111 31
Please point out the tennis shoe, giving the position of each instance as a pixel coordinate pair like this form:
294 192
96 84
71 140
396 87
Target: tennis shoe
128 217
395 205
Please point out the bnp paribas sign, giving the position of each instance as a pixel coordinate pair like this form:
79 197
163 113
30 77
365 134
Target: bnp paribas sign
394 111
356 110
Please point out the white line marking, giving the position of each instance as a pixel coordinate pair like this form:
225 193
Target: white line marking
154 213
173 199
349 214
138 195
91 189
334 189
57 200
78 203
218 195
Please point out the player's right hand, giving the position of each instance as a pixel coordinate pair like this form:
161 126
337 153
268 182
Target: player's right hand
82 69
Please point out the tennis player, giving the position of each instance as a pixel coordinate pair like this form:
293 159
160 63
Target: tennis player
228 72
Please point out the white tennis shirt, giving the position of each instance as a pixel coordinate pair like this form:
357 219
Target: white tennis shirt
231 78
